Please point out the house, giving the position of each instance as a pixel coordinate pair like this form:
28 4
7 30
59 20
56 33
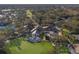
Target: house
77 37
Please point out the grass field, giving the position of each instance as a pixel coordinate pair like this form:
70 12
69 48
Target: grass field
30 48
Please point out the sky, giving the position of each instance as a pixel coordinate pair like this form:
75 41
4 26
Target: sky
35 5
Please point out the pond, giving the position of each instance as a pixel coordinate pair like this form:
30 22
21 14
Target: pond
2 52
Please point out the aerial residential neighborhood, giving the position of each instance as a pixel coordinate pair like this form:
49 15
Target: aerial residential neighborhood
39 29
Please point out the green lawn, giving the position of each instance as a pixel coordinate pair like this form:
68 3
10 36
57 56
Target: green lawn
30 48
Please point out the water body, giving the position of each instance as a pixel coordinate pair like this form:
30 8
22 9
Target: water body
2 52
